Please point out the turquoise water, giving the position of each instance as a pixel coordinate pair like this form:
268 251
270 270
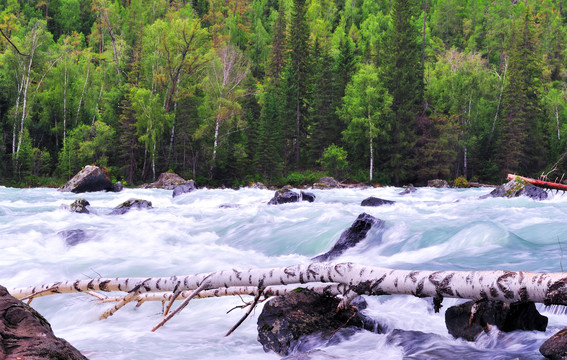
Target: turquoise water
430 229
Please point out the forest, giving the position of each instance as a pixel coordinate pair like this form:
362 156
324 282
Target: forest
228 92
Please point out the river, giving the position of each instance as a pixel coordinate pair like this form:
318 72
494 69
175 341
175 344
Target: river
215 229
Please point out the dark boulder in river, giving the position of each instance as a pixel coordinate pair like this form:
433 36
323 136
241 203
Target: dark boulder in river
469 319
284 196
131 204
374 201
555 347
90 179
25 334
351 236
517 187
287 320
186 188
307 196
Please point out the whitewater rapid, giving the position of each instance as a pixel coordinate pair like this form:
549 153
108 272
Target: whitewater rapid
210 230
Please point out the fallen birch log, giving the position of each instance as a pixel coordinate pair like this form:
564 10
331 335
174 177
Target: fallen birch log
350 280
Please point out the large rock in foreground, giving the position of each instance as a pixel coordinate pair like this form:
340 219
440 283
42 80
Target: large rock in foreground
518 187
468 320
167 181
351 236
285 319
555 347
25 334
90 179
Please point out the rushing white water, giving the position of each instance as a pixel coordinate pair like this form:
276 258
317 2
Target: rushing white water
429 229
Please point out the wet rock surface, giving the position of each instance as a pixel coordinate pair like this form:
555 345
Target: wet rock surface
374 201
284 196
515 188
287 321
352 236
186 188
130 204
555 347
469 319
25 334
90 179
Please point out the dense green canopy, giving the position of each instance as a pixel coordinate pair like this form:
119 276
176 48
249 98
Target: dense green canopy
282 91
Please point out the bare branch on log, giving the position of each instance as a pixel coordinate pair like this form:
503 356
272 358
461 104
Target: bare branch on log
182 306
252 307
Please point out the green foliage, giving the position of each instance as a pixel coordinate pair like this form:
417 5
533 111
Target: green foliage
86 145
334 161
460 182
460 88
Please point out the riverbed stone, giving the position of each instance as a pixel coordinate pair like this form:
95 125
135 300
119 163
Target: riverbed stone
555 348
80 206
284 196
351 236
464 322
374 201
408 189
166 180
90 179
73 237
25 334
307 196
290 318
326 182
185 188
438 183
517 187
130 204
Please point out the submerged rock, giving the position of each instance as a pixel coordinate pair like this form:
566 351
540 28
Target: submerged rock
374 201
284 196
408 189
307 196
326 182
90 179
351 236
73 237
186 188
287 319
464 322
258 185
555 348
167 181
25 334
517 187
131 204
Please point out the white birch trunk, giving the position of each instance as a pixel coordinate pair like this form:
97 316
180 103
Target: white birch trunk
82 94
65 102
371 148
509 286
26 86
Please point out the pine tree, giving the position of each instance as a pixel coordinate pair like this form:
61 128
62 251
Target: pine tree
520 144
298 77
403 76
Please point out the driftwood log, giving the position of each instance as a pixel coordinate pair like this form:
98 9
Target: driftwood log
346 279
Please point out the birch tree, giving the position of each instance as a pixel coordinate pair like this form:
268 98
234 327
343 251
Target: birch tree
347 279
364 109
224 77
